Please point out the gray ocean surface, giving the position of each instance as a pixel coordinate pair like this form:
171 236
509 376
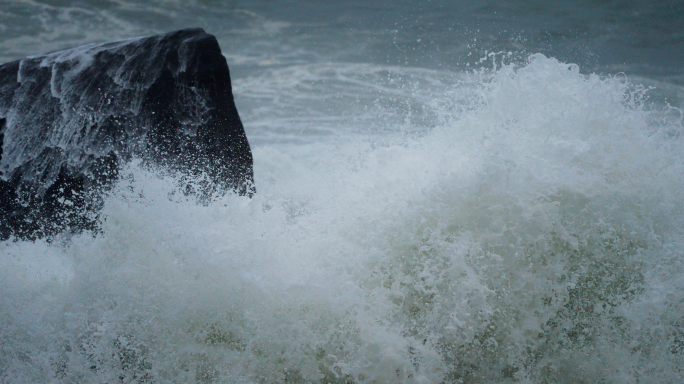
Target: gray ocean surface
448 192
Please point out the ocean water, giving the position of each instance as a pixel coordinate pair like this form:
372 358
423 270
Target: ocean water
447 193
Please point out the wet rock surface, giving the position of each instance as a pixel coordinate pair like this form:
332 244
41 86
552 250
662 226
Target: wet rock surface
69 120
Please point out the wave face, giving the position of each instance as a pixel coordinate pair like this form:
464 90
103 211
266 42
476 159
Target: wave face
523 224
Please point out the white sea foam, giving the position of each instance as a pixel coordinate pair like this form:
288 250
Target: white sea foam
532 232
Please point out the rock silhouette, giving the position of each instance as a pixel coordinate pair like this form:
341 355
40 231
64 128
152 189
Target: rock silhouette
70 119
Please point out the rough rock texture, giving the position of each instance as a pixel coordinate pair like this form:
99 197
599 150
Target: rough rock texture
70 119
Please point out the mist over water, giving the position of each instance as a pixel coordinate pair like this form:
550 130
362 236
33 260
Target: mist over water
495 218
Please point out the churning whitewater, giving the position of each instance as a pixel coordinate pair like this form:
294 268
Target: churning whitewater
532 231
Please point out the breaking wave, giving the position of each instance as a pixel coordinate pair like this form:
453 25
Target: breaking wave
534 233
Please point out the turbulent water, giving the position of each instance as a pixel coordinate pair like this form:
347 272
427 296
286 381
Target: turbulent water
436 204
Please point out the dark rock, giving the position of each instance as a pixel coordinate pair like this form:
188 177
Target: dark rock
70 119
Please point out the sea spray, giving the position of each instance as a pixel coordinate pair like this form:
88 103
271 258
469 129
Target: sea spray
532 232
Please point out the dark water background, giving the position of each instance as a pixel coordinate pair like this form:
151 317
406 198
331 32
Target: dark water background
639 38
642 38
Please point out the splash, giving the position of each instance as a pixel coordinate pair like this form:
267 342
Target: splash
532 233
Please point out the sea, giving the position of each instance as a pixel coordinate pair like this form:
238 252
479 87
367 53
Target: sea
447 192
